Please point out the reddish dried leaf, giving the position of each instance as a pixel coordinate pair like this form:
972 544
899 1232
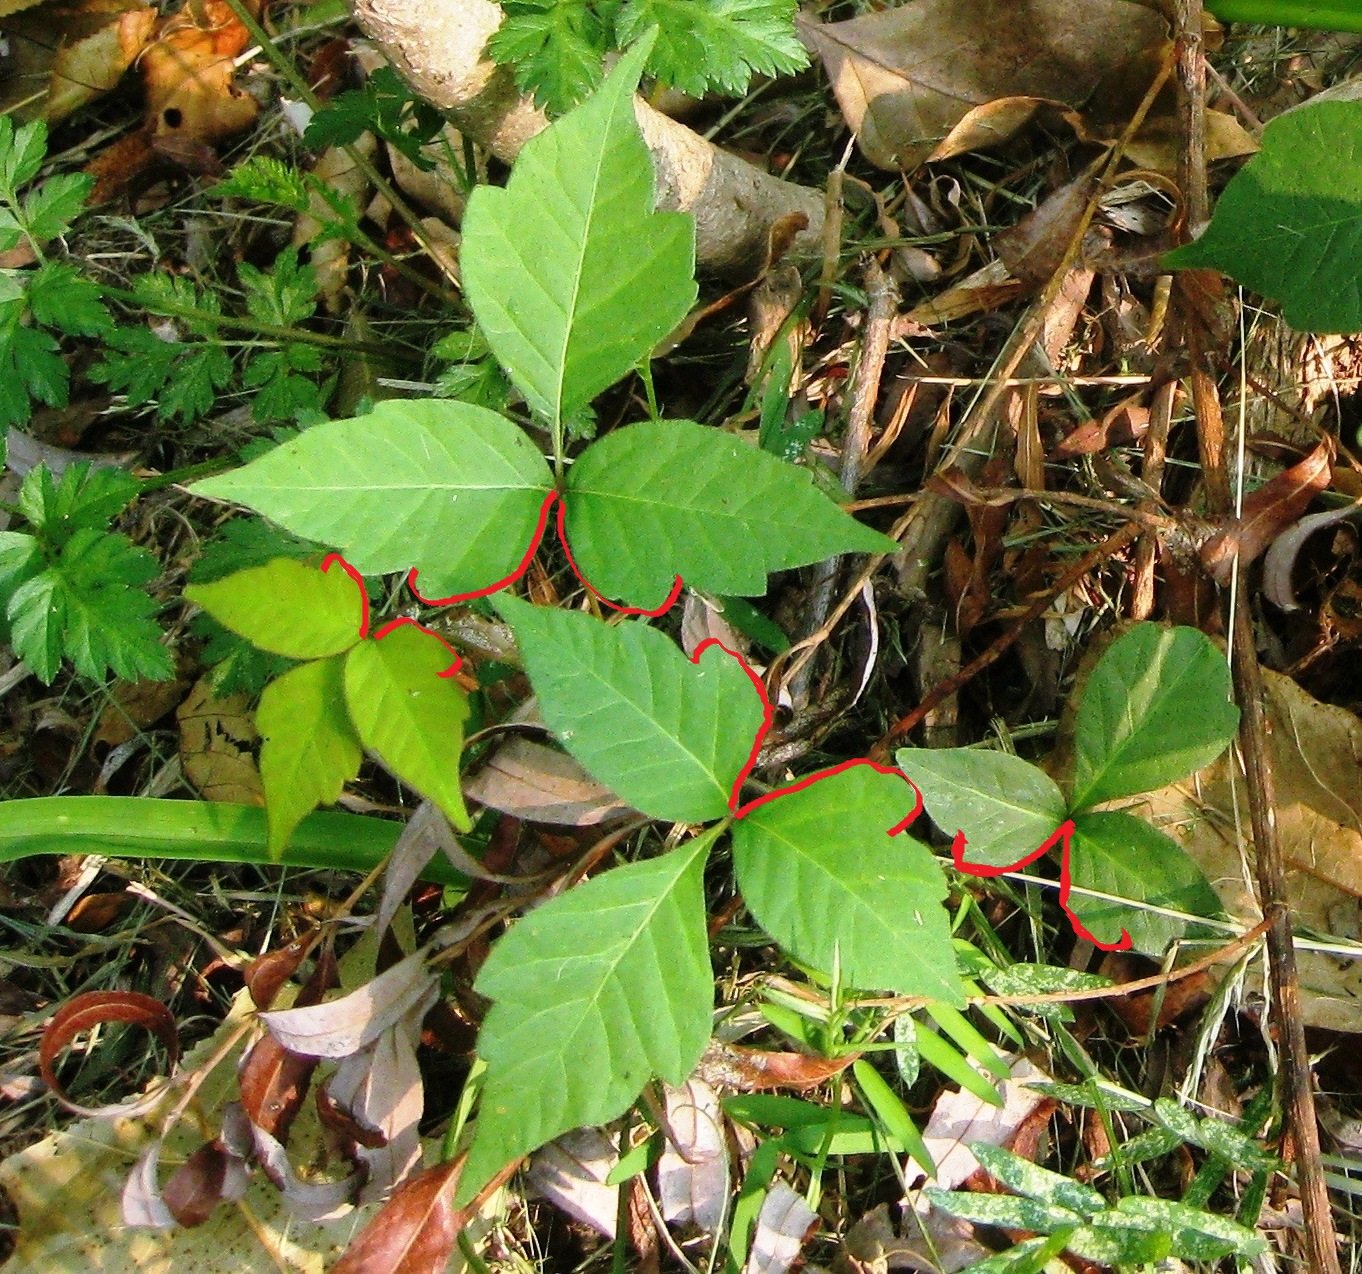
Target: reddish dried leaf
415 1232
1035 247
751 1069
102 1008
209 1176
267 973
1267 513
1127 422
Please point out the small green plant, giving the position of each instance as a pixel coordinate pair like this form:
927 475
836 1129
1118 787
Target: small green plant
50 300
556 48
74 588
1076 1218
1156 708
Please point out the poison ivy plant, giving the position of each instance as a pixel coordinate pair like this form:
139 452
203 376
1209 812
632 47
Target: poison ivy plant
73 589
390 693
1155 708
1289 224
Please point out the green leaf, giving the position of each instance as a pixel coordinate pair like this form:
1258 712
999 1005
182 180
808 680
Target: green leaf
572 276
715 45
666 498
85 496
284 297
1289 224
823 874
181 378
386 106
408 711
1002 1210
61 297
1156 707
447 487
309 749
261 179
1025 1177
668 736
555 48
31 368
50 210
88 604
1186 1224
288 607
22 151
595 992
1005 806
1116 853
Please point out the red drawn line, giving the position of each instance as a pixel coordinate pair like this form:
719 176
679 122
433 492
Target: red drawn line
600 597
1063 834
335 559
501 583
406 621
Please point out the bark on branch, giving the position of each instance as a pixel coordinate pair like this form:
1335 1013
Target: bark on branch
437 46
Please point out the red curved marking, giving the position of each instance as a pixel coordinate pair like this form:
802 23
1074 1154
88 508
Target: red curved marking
501 583
818 776
768 714
1063 836
406 620
600 597
333 559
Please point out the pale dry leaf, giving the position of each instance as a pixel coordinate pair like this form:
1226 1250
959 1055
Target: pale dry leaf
960 1119
1281 556
538 783
571 1173
141 1203
692 1171
783 1225
218 740
380 1089
427 833
338 172
907 77
925 1242
345 1025
1316 755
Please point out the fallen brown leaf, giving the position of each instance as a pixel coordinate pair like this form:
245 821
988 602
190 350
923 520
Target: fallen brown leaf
217 745
940 77
415 1231
1267 513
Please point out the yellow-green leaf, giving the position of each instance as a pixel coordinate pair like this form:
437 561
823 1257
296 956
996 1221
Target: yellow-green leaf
288 607
310 748
410 713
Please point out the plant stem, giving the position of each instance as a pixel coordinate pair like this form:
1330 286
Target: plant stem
266 331
1290 13
207 831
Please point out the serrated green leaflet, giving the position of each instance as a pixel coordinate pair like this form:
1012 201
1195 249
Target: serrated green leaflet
1289 224
1006 806
666 735
821 874
409 714
667 498
594 992
310 749
450 488
571 274
287 607
1156 707
1119 854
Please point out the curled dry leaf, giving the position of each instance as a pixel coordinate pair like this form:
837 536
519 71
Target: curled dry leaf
104 1008
215 1173
537 783
1316 755
1281 557
1268 512
940 77
141 1202
341 1027
571 1174
415 1231
692 1172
